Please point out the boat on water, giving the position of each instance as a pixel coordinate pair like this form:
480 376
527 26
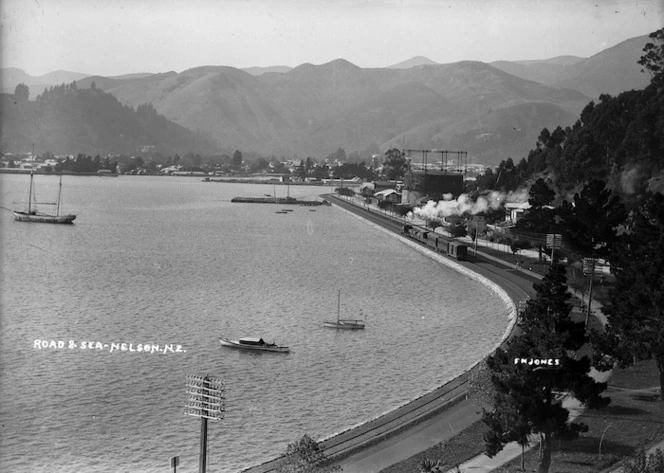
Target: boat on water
344 324
253 343
33 215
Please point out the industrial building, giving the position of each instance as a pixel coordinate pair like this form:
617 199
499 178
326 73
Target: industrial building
423 185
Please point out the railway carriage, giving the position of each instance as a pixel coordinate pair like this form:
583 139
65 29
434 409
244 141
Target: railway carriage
437 242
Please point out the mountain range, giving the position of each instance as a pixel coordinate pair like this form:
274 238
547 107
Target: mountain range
491 110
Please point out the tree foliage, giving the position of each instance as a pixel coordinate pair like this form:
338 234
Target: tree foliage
592 220
653 59
540 218
305 456
635 311
429 466
237 158
351 170
528 397
540 194
65 119
458 230
395 164
338 156
507 177
619 140
22 92
642 463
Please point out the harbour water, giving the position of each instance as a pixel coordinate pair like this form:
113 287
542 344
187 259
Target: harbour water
171 263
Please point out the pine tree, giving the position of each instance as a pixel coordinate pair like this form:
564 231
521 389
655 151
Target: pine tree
537 369
635 312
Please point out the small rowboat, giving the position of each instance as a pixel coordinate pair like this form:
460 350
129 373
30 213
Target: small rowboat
252 343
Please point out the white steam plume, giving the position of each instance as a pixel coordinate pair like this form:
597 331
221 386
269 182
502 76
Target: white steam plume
464 204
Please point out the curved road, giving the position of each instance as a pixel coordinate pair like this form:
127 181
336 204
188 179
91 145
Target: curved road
517 283
430 419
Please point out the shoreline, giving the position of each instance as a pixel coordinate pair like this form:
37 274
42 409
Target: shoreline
341 445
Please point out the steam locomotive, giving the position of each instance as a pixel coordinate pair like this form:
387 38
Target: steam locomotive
437 242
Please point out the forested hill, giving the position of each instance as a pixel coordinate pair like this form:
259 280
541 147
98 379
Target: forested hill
66 119
617 139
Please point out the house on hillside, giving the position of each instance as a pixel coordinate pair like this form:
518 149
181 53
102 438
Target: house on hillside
515 210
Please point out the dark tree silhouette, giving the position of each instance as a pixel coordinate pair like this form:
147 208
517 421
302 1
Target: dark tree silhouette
528 393
635 312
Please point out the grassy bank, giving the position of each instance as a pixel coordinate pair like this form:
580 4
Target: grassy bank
633 420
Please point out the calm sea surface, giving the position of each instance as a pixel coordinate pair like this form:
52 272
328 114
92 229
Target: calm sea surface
172 262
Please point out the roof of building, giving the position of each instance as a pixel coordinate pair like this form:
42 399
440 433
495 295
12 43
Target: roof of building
517 205
386 192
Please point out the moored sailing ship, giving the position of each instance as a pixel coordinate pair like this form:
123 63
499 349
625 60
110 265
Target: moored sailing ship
344 324
32 215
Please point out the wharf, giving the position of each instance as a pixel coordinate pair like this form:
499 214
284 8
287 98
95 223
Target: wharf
278 200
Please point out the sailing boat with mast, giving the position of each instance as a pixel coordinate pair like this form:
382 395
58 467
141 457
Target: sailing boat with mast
32 215
344 324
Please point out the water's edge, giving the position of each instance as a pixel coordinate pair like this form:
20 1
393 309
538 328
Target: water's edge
437 399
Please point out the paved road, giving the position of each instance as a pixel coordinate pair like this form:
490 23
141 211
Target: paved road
413 440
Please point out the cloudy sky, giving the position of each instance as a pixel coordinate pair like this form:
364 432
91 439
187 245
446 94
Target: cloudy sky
113 37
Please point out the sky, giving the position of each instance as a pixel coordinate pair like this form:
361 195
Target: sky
115 37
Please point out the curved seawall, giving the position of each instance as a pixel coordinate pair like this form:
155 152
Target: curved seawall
452 390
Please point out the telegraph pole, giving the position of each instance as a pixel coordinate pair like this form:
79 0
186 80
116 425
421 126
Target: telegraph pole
479 227
589 269
555 242
205 400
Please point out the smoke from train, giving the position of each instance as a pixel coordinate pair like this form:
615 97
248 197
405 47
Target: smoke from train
465 205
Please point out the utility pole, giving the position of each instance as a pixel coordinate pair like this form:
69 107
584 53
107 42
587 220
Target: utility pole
479 227
555 242
205 400
589 269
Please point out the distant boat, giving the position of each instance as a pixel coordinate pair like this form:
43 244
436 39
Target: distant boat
344 324
252 343
32 215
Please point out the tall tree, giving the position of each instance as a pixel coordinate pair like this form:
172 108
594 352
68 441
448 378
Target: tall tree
593 219
395 164
540 218
537 369
653 59
540 194
237 158
635 312
302 170
21 93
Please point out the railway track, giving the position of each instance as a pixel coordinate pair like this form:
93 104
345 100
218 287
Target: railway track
347 443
